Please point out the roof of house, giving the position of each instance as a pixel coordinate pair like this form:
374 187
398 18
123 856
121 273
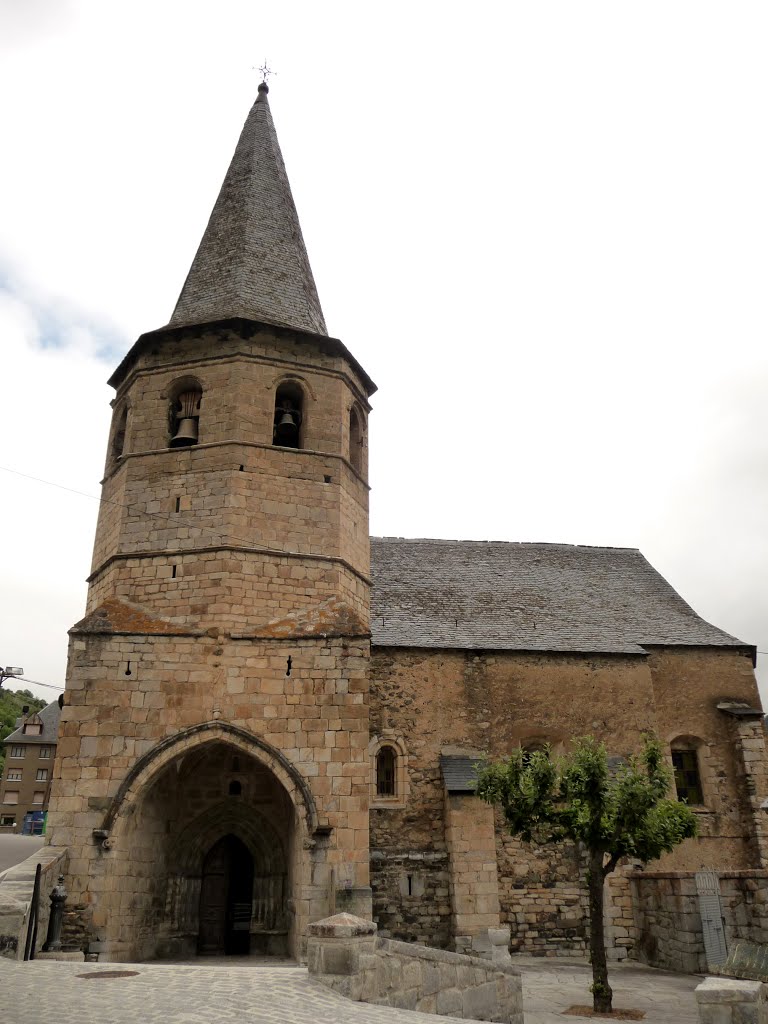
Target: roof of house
49 716
495 595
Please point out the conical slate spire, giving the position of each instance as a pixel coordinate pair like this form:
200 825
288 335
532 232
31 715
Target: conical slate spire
252 261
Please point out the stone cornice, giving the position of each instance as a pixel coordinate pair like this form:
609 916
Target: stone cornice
134 556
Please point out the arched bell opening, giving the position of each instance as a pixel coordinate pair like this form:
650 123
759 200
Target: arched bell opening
288 424
212 845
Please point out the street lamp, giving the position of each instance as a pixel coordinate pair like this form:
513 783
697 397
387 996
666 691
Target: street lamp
10 672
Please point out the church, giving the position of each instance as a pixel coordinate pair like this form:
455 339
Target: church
271 717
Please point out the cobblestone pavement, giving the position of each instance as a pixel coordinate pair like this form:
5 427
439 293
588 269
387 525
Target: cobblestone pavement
282 994
553 985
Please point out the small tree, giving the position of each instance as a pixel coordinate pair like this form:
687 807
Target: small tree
577 799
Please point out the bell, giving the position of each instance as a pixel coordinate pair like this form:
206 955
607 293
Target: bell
186 434
286 429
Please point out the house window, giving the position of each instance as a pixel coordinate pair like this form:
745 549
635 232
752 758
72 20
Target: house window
33 729
17 751
7 819
42 775
14 775
38 797
185 417
45 752
11 796
687 777
289 415
385 772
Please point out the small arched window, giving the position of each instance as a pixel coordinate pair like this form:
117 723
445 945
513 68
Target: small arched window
289 415
685 762
355 440
118 438
533 747
386 760
185 416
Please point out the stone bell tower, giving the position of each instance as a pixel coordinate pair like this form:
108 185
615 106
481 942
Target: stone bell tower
212 779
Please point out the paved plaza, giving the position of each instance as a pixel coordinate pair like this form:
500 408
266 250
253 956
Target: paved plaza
261 991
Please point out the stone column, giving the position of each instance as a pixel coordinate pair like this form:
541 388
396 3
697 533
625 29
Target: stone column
474 882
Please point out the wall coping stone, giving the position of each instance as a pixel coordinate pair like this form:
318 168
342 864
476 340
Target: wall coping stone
728 990
443 956
342 926
745 873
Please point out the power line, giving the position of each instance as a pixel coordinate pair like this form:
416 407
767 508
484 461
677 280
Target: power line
34 682
137 509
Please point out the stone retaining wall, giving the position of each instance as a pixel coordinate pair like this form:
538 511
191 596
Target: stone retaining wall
345 954
16 889
668 924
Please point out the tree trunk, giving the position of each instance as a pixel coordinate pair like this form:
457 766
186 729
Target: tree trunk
602 994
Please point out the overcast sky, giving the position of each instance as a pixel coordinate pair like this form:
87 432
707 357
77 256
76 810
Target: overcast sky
541 227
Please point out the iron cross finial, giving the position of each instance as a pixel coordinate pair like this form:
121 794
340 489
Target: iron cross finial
266 71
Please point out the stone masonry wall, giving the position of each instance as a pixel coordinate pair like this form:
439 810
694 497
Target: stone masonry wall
450 701
411 898
345 954
316 718
543 896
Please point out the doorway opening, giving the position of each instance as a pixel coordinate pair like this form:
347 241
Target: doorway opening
226 899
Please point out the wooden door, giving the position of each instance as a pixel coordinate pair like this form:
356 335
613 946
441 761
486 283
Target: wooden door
213 900
226 899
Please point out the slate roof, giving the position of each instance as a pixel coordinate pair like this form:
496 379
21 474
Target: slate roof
459 772
252 261
494 595
49 716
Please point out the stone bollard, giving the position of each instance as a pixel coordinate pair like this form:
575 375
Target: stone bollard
55 921
334 947
731 1001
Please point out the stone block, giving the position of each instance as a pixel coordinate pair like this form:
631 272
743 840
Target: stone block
448 1002
481 1002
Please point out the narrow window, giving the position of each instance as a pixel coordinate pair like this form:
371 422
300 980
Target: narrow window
42 775
289 415
44 752
355 441
385 772
178 504
185 418
118 439
687 777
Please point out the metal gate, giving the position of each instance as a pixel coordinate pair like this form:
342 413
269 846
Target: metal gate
708 889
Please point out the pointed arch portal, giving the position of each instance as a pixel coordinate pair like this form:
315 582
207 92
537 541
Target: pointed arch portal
209 829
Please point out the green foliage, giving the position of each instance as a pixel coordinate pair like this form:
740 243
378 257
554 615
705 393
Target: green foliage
621 814
11 704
